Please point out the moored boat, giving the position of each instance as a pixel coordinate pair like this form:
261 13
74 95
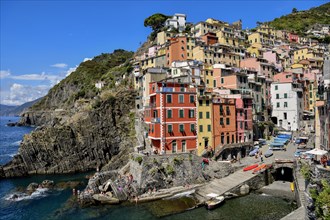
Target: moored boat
260 168
250 167
214 202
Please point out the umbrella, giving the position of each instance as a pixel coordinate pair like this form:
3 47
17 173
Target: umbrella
317 151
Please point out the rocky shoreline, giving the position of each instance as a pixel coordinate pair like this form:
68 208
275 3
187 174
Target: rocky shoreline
75 141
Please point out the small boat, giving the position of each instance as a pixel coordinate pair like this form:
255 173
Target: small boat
214 202
250 167
260 168
268 153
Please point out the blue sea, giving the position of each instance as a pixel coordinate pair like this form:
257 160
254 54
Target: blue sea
61 204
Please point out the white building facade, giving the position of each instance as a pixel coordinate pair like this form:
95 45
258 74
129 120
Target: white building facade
178 21
287 101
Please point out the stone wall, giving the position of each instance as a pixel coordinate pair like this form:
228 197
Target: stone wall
174 170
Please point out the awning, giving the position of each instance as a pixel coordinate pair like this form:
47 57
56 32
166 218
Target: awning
317 151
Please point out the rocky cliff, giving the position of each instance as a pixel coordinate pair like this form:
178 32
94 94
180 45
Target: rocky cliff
79 127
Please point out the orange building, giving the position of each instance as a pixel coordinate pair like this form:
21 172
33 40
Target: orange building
210 38
171 117
224 121
176 50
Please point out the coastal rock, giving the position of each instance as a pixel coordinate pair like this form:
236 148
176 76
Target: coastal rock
245 189
47 184
32 187
76 141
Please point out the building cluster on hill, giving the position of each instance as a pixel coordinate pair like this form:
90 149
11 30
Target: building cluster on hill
213 87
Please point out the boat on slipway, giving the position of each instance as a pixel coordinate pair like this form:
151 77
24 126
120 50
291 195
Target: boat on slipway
251 167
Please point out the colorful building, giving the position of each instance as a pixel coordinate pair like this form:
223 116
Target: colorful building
171 117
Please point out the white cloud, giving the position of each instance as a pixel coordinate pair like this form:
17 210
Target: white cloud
86 59
19 94
4 73
60 65
70 70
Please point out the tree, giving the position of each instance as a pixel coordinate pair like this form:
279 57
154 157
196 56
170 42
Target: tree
294 10
155 21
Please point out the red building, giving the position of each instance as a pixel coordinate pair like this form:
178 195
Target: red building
171 117
293 37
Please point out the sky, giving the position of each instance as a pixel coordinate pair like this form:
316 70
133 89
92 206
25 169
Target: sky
41 42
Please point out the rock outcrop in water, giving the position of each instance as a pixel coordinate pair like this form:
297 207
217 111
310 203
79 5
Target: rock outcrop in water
80 127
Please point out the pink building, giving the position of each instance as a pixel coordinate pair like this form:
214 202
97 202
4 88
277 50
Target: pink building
228 78
273 58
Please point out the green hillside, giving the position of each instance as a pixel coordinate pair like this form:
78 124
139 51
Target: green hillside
300 21
80 84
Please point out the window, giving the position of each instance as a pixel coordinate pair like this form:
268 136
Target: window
209 128
200 102
228 138
169 113
232 138
168 98
201 128
221 121
221 110
181 113
192 127
227 110
222 80
277 104
207 114
207 102
214 83
207 81
191 113
285 104
222 138
192 99
285 95
181 99
170 128
277 96
241 124
183 146
227 121
284 115
200 114
181 127
174 147
241 113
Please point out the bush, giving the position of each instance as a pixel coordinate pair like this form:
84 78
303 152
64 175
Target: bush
139 160
169 170
177 160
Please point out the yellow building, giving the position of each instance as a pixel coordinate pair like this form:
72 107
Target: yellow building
301 54
204 122
254 49
313 97
215 54
226 35
261 38
265 29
